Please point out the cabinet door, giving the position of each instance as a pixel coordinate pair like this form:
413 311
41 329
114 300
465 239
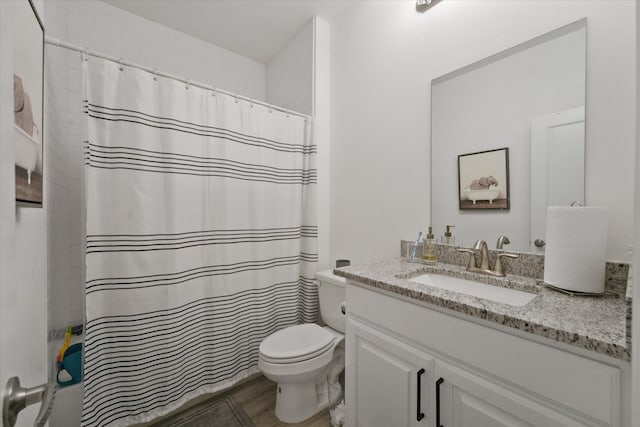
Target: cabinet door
470 401
388 382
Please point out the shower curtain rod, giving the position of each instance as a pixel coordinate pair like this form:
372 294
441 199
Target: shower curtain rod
55 42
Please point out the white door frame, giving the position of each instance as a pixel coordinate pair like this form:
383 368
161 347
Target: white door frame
635 327
23 290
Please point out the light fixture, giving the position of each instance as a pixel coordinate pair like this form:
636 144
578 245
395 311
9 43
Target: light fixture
423 5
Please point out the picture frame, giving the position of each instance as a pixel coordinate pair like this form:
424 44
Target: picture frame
28 90
483 180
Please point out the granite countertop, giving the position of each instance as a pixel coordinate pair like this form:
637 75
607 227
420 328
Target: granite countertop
594 323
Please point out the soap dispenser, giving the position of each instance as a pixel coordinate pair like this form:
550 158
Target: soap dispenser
429 256
448 238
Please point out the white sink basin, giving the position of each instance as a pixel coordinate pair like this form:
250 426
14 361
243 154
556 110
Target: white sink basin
476 289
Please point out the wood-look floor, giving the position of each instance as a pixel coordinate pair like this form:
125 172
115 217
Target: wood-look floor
257 397
258 400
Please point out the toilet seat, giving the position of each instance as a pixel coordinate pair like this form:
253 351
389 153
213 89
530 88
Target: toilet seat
296 344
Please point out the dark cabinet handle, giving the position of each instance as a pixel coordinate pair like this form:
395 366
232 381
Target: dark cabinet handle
440 381
420 414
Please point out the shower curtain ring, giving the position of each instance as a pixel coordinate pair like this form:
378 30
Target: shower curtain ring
250 103
120 67
154 72
187 85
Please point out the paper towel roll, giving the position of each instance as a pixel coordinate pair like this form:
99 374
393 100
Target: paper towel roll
576 248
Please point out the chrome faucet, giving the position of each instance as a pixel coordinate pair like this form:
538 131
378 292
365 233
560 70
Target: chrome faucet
502 240
481 246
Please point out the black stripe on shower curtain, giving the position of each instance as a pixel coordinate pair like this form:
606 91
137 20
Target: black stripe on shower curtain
168 123
147 161
201 240
160 242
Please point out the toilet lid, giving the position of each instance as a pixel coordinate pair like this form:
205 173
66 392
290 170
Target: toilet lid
296 343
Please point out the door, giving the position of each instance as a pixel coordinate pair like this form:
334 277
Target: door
23 336
466 400
557 167
390 380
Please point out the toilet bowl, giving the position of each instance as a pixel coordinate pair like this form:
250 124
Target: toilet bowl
306 360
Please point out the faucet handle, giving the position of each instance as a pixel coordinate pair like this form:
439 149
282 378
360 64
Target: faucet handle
502 240
500 271
472 257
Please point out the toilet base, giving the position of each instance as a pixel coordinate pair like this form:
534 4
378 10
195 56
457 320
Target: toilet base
298 401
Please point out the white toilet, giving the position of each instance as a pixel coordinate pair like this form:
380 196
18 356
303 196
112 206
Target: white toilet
306 360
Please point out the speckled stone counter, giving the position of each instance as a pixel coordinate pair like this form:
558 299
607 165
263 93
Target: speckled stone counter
594 323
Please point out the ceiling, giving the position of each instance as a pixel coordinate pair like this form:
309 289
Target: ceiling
256 29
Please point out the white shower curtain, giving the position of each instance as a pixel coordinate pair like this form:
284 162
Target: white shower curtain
201 239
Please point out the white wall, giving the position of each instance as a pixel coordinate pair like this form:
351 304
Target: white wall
289 74
298 77
384 56
110 30
107 29
322 134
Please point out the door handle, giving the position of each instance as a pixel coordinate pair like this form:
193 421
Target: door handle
420 414
16 398
438 383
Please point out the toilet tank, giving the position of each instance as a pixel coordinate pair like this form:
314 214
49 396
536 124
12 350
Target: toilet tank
331 294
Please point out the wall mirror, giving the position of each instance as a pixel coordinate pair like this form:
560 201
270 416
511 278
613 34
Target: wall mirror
530 99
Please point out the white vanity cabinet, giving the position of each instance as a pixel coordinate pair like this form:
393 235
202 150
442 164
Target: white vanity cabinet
405 359
470 401
393 380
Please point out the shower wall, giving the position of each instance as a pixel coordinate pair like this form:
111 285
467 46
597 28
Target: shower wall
64 164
